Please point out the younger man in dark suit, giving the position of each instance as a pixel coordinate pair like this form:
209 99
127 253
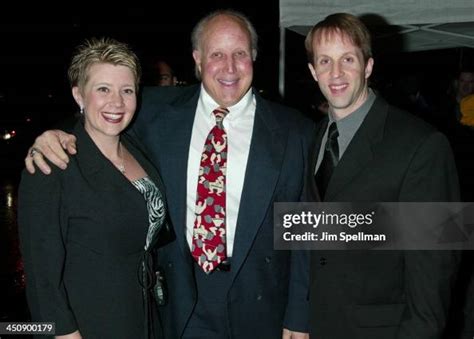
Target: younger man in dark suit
367 150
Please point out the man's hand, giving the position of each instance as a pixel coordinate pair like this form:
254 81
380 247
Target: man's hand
51 144
287 334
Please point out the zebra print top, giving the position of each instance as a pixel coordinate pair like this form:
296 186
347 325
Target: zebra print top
155 206
156 218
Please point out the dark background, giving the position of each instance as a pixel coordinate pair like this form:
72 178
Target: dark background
36 45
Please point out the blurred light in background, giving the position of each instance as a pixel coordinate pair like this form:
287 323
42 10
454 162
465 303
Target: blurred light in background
7 135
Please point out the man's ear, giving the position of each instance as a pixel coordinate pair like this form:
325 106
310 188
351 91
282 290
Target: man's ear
369 67
313 71
197 59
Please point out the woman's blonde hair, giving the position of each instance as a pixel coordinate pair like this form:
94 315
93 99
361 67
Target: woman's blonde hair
103 50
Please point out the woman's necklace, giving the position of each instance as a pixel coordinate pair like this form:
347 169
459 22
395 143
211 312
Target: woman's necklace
121 166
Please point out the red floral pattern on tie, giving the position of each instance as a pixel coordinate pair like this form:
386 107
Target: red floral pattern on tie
209 233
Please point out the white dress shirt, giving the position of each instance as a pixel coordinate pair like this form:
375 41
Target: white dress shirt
238 125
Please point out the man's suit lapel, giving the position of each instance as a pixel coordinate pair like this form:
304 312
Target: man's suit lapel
312 193
360 150
177 128
266 154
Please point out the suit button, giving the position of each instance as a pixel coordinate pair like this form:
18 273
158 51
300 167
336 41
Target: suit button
268 260
170 264
259 297
322 261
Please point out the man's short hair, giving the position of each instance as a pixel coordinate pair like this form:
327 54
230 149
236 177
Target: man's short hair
346 24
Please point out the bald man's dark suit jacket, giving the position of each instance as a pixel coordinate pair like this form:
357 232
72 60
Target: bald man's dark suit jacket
263 296
384 294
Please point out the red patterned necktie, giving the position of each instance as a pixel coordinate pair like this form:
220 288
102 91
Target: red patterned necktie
209 233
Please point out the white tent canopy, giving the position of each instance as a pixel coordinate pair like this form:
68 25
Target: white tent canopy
426 24
423 24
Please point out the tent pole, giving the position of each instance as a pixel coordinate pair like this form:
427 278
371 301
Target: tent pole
281 64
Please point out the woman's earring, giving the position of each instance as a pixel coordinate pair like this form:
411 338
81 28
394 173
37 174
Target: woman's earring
81 111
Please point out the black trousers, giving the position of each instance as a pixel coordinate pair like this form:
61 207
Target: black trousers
209 318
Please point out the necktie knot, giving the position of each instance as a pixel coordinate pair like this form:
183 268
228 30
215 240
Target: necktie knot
331 144
220 113
333 133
